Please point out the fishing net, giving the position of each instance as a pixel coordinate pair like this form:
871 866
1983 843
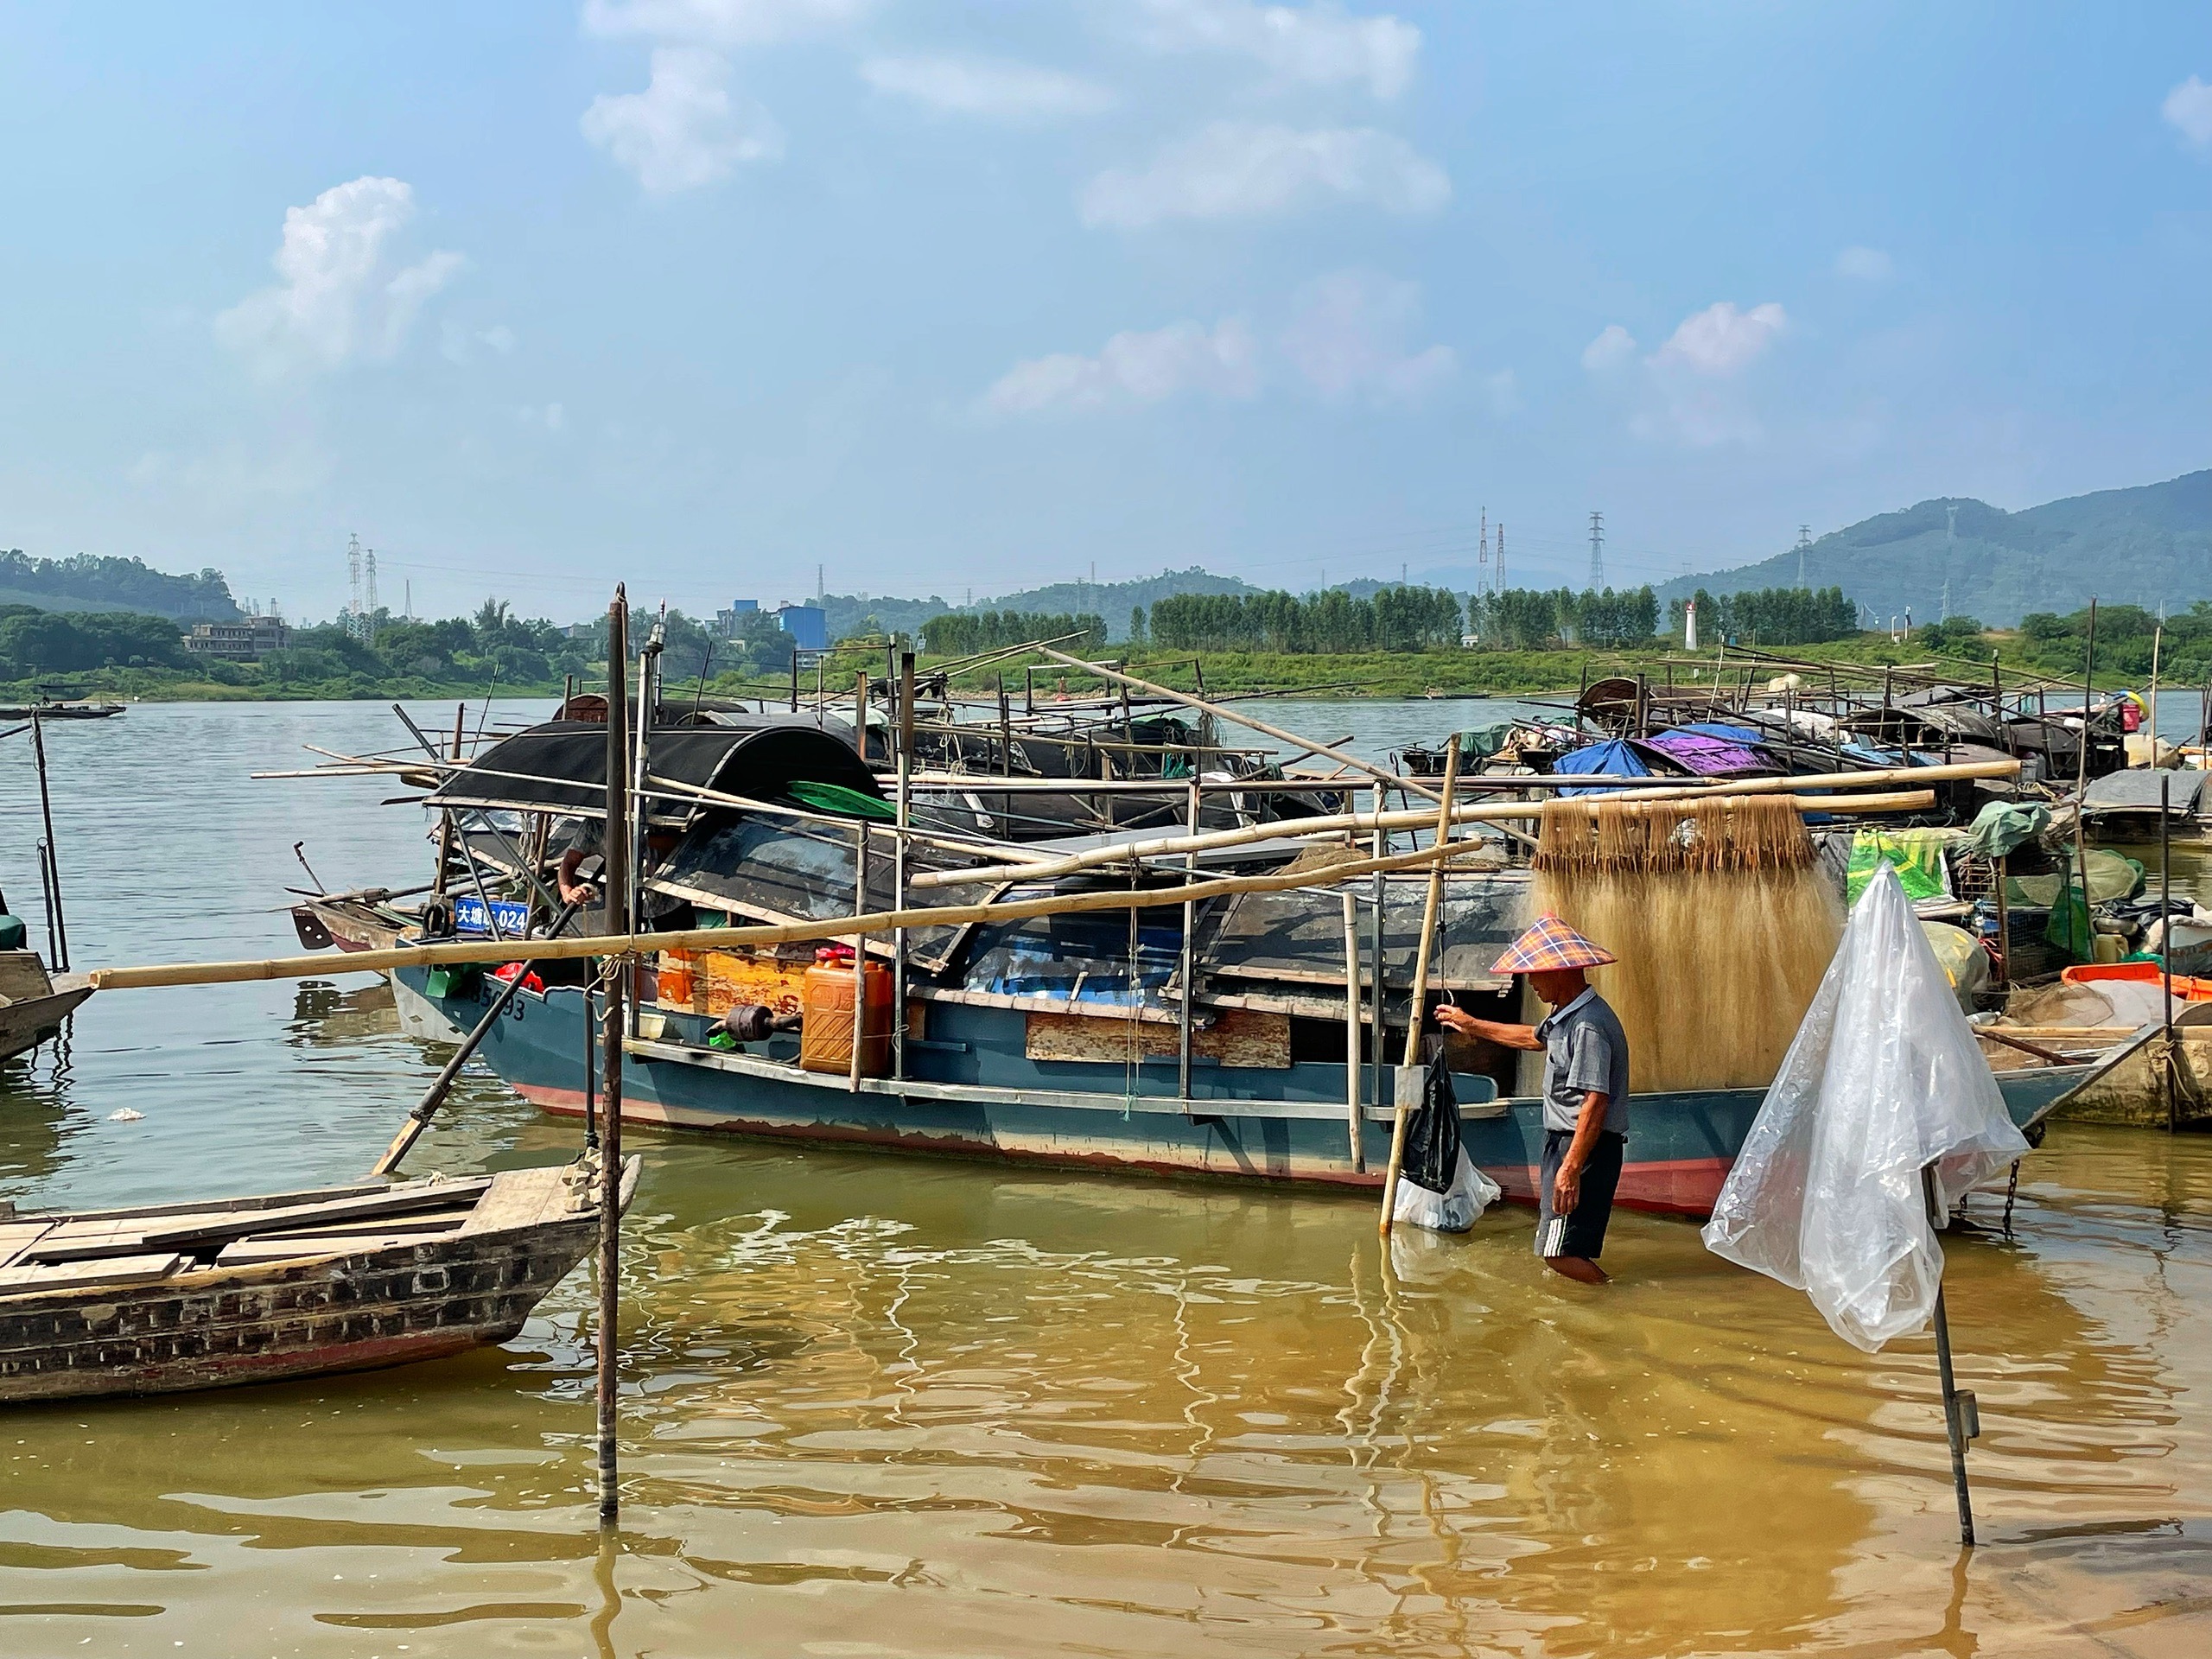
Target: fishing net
1721 918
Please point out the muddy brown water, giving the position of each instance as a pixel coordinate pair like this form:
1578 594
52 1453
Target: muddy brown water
887 1406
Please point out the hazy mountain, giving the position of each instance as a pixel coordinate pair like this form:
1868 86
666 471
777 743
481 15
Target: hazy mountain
88 581
2145 546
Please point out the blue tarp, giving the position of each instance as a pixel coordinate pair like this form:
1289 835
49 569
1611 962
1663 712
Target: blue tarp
1614 758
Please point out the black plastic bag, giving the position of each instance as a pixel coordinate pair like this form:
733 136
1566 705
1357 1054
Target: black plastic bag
1433 1130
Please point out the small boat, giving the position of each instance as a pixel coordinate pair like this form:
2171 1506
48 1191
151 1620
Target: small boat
164 1298
31 1008
60 710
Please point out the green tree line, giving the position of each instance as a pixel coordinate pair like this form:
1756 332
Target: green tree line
966 633
1395 618
1525 619
1771 616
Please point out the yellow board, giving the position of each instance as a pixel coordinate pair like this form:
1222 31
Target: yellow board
1237 1037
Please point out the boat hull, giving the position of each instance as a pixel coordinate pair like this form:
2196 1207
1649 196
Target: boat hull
971 1093
220 1326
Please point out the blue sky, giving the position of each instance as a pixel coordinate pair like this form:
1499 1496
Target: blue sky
945 298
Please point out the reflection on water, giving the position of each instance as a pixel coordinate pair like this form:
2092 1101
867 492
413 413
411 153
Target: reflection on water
876 1406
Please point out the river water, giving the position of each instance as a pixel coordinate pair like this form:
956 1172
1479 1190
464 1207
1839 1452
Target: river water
885 1406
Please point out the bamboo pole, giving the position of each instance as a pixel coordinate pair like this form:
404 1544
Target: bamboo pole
1304 745
1429 909
1296 829
250 971
57 924
614 850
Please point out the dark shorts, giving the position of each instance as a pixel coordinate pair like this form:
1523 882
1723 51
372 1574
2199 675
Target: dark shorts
1582 1233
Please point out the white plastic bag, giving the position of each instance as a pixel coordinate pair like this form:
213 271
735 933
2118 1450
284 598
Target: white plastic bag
1883 1078
1454 1210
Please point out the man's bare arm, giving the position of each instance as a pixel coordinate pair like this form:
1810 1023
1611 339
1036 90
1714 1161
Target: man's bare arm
1459 1020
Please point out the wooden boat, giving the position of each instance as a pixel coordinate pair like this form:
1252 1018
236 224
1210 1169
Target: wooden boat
164 1298
60 710
31 1008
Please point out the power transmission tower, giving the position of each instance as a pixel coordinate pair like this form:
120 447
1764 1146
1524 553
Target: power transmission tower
1482 559
1804 541
1501 555
353 580
1597 550
369 580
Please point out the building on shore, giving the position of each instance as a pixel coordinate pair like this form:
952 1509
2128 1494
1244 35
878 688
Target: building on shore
246 640
808 625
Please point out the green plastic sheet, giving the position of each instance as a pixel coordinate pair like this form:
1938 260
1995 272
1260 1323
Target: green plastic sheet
1916 854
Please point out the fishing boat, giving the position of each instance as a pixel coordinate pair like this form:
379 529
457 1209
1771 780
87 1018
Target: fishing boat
75 709
164 1298
1054 1039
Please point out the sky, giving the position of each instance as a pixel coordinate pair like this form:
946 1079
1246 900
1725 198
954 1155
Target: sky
963 298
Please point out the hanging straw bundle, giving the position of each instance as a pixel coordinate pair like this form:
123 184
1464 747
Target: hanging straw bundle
1721 919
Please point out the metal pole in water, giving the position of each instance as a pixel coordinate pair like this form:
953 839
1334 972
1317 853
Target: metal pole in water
899 862
1186 969
1961 1413
58 924
616 853
2166 929
1351 1031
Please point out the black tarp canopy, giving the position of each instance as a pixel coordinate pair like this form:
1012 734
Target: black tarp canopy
562 766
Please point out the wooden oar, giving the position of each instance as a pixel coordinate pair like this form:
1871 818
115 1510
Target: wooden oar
1400 1110
442 1085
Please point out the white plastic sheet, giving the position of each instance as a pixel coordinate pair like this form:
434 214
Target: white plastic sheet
1883 1078
1453 1210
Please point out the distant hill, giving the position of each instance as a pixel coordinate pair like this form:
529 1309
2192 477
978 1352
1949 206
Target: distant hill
2144 546
89 583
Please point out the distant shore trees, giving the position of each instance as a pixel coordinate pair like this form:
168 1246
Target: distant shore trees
966 633
1771 616
1395 618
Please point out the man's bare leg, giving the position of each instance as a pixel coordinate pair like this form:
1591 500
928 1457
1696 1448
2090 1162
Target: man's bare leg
1578 1269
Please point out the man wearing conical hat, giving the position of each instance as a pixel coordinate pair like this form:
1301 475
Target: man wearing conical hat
1586 1091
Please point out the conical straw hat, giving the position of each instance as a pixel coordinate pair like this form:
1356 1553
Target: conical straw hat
1550 944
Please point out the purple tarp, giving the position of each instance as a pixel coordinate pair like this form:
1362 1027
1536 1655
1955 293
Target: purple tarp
1708 757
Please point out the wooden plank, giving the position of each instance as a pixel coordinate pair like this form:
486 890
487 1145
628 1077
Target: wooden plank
175 1233
1240 1038
15 1236
70 1275
250 1252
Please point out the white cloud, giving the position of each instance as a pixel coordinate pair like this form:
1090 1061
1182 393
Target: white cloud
1720 340
1693 392
1235 169
1613 347
1348 335
687 128
1865 264
1134 368
1317 45
342 296
2188 109
457 344
721 22
548 416
1501 393
986 86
